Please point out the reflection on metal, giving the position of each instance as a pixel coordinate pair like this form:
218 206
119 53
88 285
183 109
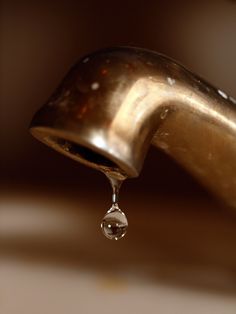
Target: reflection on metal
116 102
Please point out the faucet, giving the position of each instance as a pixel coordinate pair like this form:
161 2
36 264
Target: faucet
114 103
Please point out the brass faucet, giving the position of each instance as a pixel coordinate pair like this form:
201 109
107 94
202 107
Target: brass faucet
115 102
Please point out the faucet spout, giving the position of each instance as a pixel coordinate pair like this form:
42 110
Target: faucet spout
115 102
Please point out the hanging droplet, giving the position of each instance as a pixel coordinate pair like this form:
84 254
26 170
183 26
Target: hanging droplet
114 224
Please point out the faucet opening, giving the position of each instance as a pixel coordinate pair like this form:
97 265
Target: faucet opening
75 150
80 150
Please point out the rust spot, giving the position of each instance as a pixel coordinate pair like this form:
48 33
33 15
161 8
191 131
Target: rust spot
81 112
104 71
130 66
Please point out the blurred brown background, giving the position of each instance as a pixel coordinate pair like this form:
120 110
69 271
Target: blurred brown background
179 234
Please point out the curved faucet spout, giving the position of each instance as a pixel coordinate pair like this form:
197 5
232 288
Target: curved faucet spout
116 102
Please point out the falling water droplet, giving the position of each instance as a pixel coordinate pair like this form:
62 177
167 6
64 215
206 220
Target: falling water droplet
114 224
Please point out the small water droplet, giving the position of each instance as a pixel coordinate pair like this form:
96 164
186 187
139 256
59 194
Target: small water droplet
51 103
63 103
209 156
67 93
164 113
171 81
86 60
164 134
104 71
164 146
95 86
114 224
233 100
66 146
221 93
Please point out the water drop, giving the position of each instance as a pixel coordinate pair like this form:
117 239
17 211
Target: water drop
171 81
114 224
233 100
86 60
164 113
221 93
95 86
